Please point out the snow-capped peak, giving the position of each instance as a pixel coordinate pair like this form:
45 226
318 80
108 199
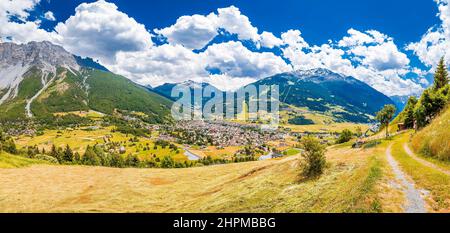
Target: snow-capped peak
314 72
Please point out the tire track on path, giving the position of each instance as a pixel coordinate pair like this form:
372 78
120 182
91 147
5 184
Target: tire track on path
414 201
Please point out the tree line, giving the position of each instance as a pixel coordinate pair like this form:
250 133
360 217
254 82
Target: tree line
420 112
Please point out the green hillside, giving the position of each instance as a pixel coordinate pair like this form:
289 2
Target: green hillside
15 108
81 91
430 115
109 91
434 140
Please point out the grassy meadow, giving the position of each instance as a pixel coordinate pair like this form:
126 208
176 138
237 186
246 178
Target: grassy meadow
262 186
79 139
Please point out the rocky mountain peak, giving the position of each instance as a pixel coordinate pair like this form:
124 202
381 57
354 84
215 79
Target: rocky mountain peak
44 55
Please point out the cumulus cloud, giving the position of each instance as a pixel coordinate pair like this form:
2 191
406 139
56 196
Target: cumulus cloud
100 30
18 8
159 65
226 83
196 31
374 49
356 37
21 30
270 41
233 21
234 59
435 43
193 32
370 56
384 56
294 39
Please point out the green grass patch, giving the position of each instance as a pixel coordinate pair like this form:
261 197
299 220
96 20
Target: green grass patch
366 201
13 161
291 152
425 177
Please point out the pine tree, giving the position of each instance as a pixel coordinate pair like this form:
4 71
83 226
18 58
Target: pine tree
90 157
53 152
76 158
441 76
68 154
409 112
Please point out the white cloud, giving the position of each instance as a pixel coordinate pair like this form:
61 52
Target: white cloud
374 49
49 16
100 30
435 43
294 39
18 8
21 31
234 59
356 38
226 83
233 21
175 63
193 32
196 31
268 40
159 65
384 56
370 56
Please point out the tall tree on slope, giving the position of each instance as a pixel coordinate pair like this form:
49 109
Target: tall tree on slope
441 75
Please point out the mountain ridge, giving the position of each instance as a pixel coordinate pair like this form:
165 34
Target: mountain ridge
40 79
325 91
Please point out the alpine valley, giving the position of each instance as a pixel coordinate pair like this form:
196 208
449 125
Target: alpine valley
75 137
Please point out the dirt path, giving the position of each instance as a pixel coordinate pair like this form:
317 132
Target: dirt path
414 201
423 161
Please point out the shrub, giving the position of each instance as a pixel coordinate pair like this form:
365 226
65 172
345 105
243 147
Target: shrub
345 136
46 158
117 161
167 162
372 144
90 157
132 161
314 155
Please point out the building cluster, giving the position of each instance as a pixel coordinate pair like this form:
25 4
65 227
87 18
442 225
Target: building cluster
219 134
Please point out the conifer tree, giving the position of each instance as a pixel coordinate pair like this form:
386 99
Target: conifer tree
441 76
68 154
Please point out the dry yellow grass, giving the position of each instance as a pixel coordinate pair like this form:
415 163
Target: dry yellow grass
351 183
215 152
434 140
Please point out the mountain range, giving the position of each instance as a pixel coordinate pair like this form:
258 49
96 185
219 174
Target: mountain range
320 90
39 79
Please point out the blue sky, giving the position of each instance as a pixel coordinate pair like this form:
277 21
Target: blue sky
391 45
405 20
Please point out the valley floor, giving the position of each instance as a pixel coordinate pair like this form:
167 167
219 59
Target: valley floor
356 180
